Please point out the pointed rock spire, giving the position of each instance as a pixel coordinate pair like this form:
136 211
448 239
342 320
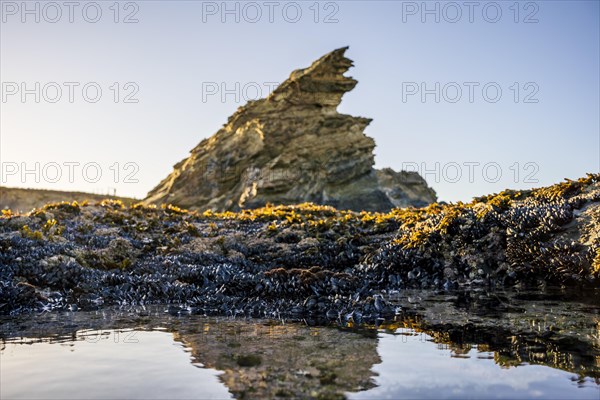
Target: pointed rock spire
292 147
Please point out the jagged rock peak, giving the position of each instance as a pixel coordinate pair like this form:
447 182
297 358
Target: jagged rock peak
323 83
292 147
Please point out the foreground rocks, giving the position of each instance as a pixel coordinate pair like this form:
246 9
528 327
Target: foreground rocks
290 148
297 261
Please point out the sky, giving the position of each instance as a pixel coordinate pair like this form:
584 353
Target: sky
479 96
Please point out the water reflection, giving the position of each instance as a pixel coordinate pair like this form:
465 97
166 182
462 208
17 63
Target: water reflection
413 366
438 347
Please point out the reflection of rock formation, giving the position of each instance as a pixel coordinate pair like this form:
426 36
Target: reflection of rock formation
262 359
259 359
273 360
292 147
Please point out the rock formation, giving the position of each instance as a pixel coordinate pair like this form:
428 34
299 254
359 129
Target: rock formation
292 147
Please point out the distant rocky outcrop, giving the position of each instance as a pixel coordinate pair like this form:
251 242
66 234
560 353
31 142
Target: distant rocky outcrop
24 200
292 147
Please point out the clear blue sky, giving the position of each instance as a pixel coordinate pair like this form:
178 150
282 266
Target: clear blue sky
177 48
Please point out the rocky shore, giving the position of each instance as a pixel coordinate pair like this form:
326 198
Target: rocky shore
297 262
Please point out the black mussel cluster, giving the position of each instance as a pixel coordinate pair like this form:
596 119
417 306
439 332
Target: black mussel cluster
306 262
532 242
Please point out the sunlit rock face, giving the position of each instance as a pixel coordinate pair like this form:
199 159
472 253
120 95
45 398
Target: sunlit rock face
292 147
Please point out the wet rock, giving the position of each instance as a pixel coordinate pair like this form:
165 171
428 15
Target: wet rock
300 262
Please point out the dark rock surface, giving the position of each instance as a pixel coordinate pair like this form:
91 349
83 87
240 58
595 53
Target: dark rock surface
297 261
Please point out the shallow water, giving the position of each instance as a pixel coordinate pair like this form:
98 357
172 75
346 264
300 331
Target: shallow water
133 364
527 347
414 367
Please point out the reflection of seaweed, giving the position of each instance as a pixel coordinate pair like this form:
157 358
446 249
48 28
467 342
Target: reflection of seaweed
511 350
555 328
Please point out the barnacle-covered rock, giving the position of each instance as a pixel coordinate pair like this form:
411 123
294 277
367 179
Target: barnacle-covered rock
301 261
